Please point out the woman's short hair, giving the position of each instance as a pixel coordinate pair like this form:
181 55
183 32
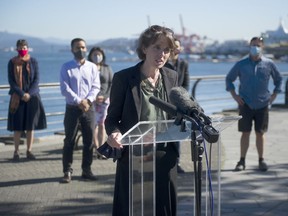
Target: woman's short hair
21 43
151 35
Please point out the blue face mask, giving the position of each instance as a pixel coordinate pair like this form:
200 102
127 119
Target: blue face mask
255 50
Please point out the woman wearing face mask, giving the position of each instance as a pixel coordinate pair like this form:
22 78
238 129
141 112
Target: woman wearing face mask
97 56
26 112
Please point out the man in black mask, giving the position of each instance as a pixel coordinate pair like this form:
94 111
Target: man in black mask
80 84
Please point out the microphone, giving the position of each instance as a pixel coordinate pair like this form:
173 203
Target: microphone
163 105
209 133
181 103
182 100
168 108
188 106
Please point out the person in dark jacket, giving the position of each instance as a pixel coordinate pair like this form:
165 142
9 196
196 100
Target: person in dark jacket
182 68
26 111
129 104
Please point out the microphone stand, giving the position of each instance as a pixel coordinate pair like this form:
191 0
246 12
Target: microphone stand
196 156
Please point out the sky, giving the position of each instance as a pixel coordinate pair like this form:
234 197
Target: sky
98 20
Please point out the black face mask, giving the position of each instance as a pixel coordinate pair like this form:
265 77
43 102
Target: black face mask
79 54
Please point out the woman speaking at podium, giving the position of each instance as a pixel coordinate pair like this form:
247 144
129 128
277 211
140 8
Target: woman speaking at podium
129 97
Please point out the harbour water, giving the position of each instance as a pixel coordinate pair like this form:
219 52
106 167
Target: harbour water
51 62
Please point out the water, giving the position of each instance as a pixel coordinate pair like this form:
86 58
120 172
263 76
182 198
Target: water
51 62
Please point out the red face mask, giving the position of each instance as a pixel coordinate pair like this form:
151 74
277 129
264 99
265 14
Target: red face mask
22 53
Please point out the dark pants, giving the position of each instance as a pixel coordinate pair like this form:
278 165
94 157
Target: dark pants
74 116
166 182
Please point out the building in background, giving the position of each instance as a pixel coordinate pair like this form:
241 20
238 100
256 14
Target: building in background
278 37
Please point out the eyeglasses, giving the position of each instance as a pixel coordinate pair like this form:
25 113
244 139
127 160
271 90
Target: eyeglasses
158 49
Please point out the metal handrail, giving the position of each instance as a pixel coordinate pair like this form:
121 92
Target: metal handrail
193 79
222 77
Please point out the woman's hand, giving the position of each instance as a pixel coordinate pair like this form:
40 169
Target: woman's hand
114 140
26 97
100 99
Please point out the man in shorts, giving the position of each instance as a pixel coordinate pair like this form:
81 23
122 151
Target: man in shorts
254 98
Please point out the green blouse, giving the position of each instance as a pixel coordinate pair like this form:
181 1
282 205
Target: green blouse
149 111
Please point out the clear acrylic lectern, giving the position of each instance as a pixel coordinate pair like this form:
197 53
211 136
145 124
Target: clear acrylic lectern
143 139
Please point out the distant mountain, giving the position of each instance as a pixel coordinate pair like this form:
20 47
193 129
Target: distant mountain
8 43
53 40
119 44
8 40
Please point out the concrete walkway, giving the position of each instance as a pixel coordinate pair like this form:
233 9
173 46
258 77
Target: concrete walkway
33 188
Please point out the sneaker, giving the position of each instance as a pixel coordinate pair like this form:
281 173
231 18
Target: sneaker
180 170
30 156
263 166
88 176
66 178
16 157
240 166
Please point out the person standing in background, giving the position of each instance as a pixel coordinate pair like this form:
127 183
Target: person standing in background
180 65
97 56
79 84
182 68
26 111
254 73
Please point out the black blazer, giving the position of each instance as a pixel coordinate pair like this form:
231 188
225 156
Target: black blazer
123 113
181 67
125 98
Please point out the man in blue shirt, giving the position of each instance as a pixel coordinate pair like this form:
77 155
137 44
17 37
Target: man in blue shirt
80 84
254 73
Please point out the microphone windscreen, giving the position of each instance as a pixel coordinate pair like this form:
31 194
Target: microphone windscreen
181 99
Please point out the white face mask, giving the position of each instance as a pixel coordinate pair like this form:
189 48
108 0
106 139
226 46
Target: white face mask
97 59
255 50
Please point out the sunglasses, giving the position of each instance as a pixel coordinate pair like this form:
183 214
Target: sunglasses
160 29
258 39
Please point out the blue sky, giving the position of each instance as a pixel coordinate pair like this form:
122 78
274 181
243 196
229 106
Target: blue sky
98 20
